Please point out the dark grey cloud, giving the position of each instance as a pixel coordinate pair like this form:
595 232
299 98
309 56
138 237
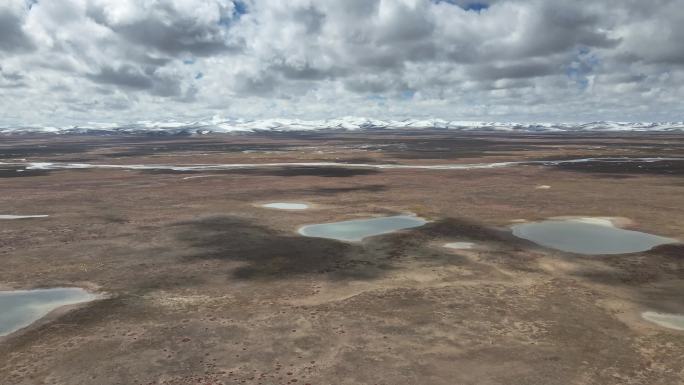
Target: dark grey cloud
13 85
357 8
131 78
125 76
558 27
310 17
668 35
260 84
375 84
165 28
177 37
307 72
11 76
11 79
403 25
519 70
13 38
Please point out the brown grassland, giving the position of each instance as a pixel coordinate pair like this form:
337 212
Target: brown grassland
202 286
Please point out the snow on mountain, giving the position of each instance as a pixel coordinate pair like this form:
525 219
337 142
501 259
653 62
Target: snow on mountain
217 125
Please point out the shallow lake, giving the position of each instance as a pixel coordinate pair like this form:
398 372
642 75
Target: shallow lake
22 216
19 308
459 245
670 321
582 236
358 229
286 206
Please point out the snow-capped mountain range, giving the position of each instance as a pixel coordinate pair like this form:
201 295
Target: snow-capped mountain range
217 125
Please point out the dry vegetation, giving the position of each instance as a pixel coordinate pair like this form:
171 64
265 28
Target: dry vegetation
204 287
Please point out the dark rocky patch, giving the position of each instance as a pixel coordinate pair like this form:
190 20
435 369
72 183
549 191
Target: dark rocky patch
618 169
324 172
20 172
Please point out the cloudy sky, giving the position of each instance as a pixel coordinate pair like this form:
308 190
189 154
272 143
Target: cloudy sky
71 61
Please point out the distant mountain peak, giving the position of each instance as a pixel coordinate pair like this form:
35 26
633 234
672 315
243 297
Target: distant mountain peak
349 123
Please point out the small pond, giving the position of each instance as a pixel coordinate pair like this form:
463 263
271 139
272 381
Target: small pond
587 236
670 321
286 206
459 245
20 308
358 229
4 216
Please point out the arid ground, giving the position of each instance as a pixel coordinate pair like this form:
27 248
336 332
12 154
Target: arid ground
201 285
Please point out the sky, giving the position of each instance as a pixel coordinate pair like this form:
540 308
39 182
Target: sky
75 61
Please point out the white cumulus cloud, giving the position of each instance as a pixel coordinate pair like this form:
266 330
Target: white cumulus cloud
73 61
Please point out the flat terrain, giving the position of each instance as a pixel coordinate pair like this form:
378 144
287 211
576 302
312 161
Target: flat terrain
203 286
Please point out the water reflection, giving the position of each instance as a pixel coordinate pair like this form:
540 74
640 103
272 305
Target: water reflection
587 236
20 308
358 229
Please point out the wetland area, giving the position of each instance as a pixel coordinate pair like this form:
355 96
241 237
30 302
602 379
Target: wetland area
378 257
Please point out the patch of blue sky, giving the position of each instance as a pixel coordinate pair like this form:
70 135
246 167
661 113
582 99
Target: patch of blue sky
407 94
379 99
475 6
582 66
239 9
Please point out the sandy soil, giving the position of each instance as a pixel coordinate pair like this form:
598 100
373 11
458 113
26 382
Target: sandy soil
203 286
